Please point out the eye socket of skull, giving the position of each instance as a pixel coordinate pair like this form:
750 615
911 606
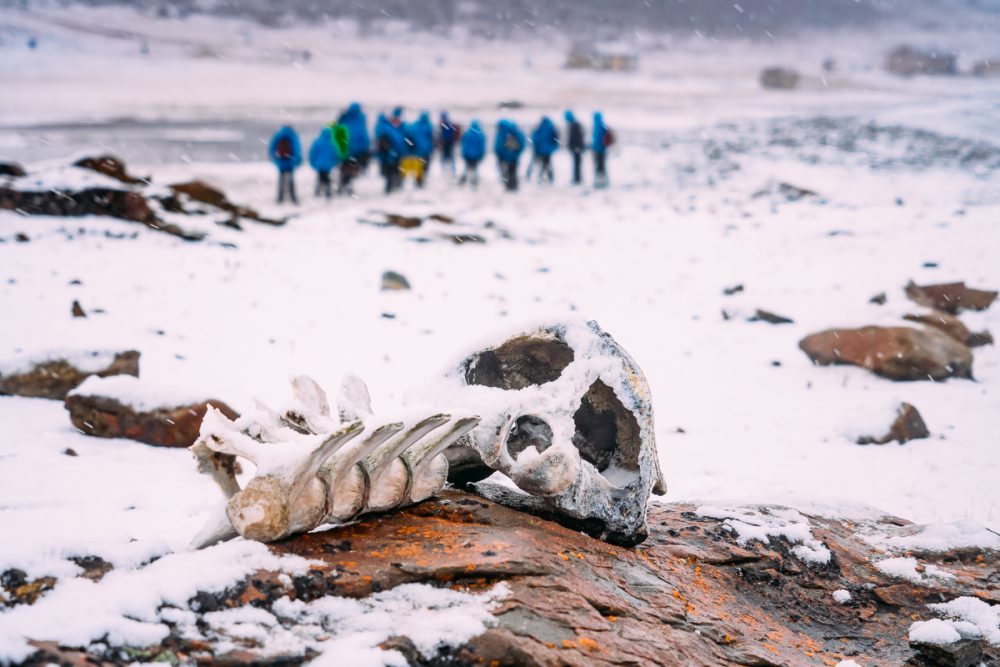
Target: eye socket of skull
607 435
529 431
520 362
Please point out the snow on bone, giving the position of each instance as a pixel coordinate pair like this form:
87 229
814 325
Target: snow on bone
314 469
568 418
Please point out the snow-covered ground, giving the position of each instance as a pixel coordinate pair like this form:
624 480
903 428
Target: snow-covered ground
741 414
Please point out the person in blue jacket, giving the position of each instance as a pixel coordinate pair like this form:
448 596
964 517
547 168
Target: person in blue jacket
323 158
508 146
473 152
447 136
390 147
359 148
285 152
577 145
603 139
420 141
544 142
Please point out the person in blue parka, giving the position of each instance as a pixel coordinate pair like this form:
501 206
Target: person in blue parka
544 142
577 145
390 147
603 139
356 122
285 152
420 141
447 137
323 157
508 146
473 152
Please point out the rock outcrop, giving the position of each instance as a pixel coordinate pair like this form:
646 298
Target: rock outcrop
172 426
695 593
110 166
896 353
54 378
950 297
203 193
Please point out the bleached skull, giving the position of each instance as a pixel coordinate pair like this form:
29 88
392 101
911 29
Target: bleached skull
568 419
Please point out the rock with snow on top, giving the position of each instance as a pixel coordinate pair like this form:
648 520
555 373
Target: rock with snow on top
952 326
907 425
53 375
950 297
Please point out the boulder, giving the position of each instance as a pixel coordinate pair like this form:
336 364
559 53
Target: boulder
696 592
169 426
779 78
54 378
907 60
896 353
110 166
11 169
952 326
950 297
404 221
392 281
908 425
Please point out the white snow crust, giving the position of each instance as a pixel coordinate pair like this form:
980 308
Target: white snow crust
763 523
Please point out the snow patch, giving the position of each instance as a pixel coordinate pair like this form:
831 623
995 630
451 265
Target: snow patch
906 568
138 395
937 537
763 523
964 617
842 596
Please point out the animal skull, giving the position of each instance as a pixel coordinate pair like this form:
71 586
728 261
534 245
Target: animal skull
314 469
569 421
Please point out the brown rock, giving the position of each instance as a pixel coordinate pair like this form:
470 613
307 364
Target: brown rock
77 310
404 221
897 353
11 169
173 426
908 425
392 281
950 297
440 217
55 378
770 318
952 326
110 166
204 193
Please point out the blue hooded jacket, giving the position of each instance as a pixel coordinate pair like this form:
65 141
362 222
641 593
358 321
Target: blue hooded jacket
448 130
545 138
289 137
473 143
323 156
509 141
420 136
394 145
357 124
599 131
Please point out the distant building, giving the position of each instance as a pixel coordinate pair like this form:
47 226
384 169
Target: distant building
611 56
909 61
779 78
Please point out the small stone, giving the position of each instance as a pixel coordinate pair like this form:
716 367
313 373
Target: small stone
69 451
879 299
394 281
735 289
404 221
78 310
770 318
908 425
21 237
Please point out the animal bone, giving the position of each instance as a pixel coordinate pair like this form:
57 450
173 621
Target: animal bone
313 468
570 422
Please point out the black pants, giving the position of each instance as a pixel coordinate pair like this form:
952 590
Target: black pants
508 174
600 169
393 177
324 188
577 167
471 174
545 172
286 183
349 169
448 156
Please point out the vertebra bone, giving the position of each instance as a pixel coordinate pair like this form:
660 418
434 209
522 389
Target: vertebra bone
311 469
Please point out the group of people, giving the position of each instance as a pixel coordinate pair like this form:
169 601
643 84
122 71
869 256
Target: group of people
405 149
